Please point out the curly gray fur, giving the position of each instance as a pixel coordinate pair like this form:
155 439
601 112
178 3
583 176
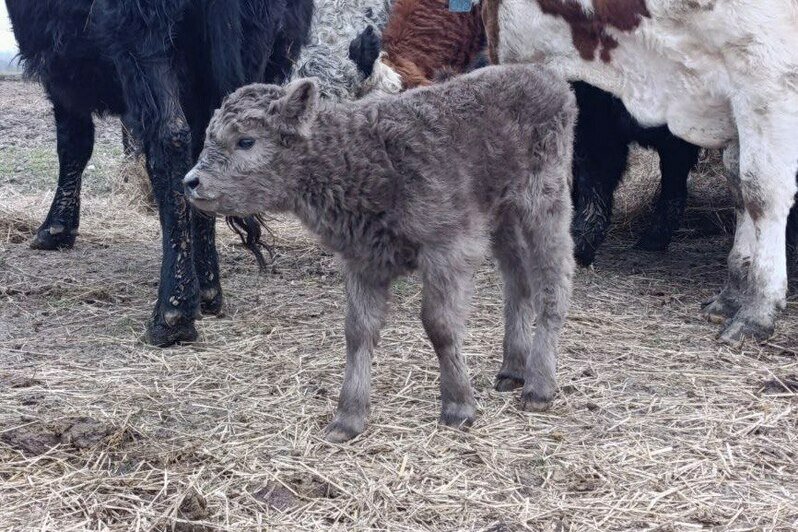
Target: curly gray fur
325 57
424 181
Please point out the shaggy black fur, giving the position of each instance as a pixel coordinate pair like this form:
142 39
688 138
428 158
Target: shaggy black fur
164 66
603 134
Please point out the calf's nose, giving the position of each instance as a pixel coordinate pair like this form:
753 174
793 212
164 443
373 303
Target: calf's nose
191 181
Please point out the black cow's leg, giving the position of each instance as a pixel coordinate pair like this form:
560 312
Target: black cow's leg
206 262
152 97
75 140
168 159
601 148
203 227
676 159
597 173
792 245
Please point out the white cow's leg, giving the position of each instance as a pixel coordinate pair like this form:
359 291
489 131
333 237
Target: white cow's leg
726 304
768 164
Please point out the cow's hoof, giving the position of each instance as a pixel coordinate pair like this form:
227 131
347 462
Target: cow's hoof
654 241
53 238
534 402
741 328
161 334
720 308
211 302
505 383
340 430
458 415
584 254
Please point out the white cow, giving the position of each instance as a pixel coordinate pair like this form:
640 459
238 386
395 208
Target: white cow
720 74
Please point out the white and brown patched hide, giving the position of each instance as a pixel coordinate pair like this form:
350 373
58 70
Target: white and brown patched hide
720 74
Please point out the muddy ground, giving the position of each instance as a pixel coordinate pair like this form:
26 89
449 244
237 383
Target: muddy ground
656 426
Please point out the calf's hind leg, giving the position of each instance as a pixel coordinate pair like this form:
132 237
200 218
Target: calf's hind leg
75 142
448 286
550 266
509 248
367 302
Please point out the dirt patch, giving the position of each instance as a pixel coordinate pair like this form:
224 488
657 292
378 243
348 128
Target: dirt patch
193 508
36 437
18 382
783 385
295 491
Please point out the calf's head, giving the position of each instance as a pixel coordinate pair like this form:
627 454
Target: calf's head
242 168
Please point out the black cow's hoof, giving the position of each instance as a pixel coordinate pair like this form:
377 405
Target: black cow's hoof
792 268
584 254
160 334
653 241
212 302
53 238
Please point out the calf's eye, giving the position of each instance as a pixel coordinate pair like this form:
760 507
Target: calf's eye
246 143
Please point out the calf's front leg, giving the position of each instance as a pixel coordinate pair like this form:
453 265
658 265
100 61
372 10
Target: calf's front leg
367 304
726 304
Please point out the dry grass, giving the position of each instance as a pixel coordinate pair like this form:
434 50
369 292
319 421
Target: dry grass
656 426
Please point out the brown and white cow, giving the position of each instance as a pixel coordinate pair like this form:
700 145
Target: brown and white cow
720 74
422 40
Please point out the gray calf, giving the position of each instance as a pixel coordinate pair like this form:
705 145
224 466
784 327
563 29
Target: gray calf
422 181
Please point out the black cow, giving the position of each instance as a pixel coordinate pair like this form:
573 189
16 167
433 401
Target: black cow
604 131
164 66
792 243
603 134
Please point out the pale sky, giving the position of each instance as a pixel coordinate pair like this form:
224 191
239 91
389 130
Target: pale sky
7 41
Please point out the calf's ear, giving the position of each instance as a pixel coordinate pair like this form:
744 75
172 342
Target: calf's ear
295 112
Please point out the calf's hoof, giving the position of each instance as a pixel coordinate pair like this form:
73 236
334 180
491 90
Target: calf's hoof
171 330
458 415
741 328
508 383
343 430
53 238
211 301
534 402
